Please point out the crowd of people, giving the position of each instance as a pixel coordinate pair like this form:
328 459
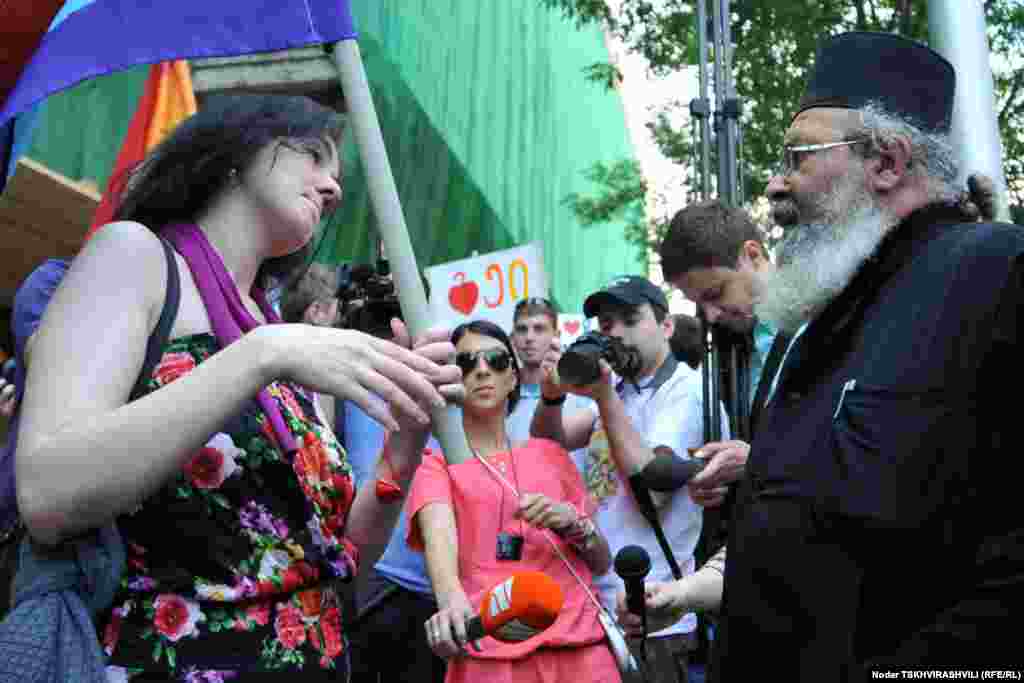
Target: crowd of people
235 463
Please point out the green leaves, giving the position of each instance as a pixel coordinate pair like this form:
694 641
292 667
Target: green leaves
621 184
775 43
605 74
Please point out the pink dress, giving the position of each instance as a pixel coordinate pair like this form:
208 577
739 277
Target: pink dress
571 648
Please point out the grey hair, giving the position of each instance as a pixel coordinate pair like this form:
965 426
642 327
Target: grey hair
932 156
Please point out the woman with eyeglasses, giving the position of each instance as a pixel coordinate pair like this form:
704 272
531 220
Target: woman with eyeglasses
513 507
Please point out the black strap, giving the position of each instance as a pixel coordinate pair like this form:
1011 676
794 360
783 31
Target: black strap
640 491
642 495
162 331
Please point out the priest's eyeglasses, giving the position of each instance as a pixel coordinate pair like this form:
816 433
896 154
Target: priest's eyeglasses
794 155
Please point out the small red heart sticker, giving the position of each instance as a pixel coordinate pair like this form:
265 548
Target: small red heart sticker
572 327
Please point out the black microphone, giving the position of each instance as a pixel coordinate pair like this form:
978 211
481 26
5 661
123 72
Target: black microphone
632 564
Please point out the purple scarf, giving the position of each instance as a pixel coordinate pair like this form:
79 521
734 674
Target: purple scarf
228 315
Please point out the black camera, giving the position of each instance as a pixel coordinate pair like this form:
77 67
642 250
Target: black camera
578 365
367 300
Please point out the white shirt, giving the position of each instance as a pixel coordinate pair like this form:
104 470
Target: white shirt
671 417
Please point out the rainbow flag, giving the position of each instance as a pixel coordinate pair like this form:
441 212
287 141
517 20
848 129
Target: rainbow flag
46 45
167 100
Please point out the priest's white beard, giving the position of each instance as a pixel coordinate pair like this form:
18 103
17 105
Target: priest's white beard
817 260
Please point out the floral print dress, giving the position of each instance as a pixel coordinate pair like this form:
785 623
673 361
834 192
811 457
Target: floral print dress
230 565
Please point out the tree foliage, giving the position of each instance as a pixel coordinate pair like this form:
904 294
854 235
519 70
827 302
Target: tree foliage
774 43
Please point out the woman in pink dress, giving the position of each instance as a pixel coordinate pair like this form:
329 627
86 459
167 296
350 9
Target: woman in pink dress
477 532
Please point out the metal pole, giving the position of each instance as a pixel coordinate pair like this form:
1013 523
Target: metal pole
957 29
726 106
719 84
703 102
447 421
700 110
735 417
705 370
716 385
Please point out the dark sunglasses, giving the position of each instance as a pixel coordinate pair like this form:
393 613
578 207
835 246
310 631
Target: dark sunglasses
498 360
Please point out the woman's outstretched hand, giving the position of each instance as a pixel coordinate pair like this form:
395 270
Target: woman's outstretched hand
411 376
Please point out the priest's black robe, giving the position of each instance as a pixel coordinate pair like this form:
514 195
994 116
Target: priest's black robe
879 524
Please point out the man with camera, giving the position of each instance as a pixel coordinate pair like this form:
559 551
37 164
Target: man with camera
644 419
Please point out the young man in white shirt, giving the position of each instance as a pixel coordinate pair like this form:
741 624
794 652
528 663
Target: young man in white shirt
534 328
657 414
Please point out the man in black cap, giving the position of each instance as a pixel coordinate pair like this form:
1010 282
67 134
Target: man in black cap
654 415
876 528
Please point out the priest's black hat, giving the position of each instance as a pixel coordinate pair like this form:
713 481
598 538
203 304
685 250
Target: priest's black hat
903 76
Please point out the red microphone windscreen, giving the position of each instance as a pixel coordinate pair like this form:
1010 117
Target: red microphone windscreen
523 604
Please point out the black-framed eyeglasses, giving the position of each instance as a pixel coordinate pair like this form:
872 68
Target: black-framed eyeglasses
794 155
498 360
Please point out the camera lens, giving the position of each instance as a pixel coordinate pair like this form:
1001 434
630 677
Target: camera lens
578 365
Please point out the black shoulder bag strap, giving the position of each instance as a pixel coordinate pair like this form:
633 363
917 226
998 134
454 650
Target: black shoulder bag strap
162 331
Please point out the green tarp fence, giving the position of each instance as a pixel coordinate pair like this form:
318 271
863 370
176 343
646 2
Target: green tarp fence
488 123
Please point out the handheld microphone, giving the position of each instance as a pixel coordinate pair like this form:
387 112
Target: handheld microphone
632 564
518 608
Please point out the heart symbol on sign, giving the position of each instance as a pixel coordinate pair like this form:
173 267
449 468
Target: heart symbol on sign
464 295
572 326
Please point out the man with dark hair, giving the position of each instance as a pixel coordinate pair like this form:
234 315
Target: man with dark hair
715 255
705 239
656 414
876 529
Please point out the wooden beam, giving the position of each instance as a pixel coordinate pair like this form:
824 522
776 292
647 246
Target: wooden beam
43 214
299 71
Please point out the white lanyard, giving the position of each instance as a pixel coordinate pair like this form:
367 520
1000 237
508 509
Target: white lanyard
547 536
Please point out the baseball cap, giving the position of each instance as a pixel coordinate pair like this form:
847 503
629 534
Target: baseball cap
628 290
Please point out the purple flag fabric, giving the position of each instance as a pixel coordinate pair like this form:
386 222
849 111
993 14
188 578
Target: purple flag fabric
102 36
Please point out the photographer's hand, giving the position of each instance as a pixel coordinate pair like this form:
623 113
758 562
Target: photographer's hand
572 431
550 386
600 390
